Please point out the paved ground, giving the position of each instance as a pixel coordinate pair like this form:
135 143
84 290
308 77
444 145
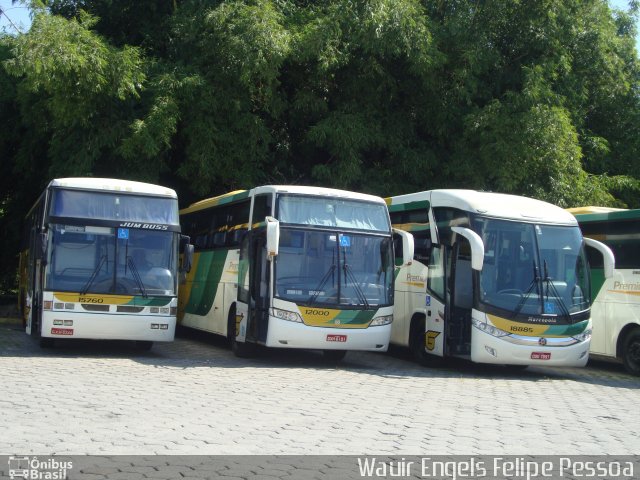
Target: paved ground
194 397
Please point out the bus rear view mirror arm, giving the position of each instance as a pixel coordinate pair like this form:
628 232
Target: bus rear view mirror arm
477 247
187 253
609 260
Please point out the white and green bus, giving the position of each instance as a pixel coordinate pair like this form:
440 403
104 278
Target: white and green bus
100 261
291 267
495 278
616 306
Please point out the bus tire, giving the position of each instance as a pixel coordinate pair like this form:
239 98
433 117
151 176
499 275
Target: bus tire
239 349
334 355
416 344
631 352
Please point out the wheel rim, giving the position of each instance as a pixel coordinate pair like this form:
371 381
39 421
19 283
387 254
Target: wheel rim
633 354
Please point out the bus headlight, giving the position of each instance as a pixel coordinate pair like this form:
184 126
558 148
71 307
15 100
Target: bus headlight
487 328
584 336
382 320
286 315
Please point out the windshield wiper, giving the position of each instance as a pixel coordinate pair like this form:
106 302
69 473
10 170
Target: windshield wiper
535 282
550 286
87 286
136 276
314 296
349 275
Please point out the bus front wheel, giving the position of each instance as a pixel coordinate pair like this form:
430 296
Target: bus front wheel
239 349
631 353
417 344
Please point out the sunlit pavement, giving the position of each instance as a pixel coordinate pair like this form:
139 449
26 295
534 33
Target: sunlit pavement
193 396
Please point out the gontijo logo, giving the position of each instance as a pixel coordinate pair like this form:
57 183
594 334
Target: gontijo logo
35 469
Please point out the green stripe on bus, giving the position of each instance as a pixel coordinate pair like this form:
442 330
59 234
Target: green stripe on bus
209 272
355 317
149 301
419 205
567 330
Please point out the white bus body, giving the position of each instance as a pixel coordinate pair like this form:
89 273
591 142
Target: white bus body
495 279
100 262
291 267
616 309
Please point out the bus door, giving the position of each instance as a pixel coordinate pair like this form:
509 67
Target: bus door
436 300
253 288
459 299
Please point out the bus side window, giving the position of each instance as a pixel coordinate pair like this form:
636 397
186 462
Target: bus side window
435 278
261 208
422 246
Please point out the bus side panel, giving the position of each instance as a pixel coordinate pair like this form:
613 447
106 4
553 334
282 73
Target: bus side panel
410 298
617 304
211 292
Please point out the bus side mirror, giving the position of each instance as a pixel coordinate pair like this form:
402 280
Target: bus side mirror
477 247
408 246
609 260
273 237
187 253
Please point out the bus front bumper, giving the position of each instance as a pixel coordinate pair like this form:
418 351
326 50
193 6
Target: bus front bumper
153 328
286 334
486 348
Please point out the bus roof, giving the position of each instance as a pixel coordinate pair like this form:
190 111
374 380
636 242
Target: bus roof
599 214
112 185
294 189
497 205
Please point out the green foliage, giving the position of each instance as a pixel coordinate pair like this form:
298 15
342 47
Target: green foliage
536 97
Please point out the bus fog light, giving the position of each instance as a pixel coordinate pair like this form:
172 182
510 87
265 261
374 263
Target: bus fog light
491 351
68 323
164 326
382 320
487 328
584 336
57 322
286 315
155 326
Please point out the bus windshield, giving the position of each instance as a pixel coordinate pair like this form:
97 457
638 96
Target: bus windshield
104 260
334 269
533 269
333 212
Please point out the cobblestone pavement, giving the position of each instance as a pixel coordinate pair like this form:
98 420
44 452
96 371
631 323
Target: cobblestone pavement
193 396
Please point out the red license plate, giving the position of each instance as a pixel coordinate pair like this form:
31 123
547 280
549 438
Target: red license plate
336 338
62 331
540 356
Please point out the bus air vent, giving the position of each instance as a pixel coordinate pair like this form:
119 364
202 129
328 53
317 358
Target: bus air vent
92 307
129 309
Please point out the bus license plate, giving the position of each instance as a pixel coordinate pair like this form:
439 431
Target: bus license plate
62 331
540 356
336 338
